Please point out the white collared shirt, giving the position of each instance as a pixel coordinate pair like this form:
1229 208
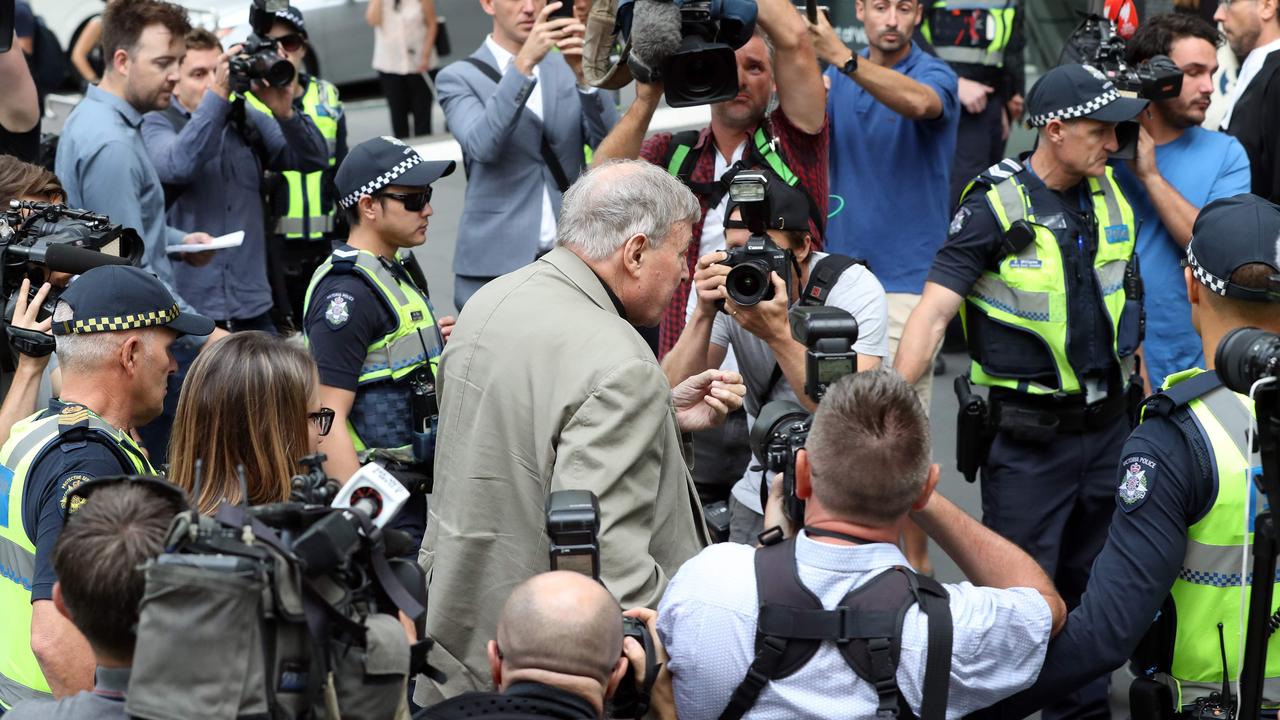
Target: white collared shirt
1248 71
547 229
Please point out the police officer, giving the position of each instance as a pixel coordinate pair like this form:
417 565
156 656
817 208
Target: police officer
983 41
304 204
1175 544
370 326
1039 261
114 326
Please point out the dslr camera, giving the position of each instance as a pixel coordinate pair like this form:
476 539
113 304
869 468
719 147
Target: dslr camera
749 281
258 60
1248 355
573 530
782 426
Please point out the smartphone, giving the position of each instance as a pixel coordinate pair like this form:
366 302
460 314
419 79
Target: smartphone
564 11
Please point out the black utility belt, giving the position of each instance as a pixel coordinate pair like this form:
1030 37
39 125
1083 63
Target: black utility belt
1033 418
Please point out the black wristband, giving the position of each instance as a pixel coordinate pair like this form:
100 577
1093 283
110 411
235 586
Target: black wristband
851 65
31 343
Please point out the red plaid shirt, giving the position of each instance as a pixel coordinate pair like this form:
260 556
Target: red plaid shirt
805 154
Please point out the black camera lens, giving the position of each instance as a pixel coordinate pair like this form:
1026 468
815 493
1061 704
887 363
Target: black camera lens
749 283
777 417
1247 355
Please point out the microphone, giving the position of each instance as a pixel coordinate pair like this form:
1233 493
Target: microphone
1124 15
375 492
67 258
655 36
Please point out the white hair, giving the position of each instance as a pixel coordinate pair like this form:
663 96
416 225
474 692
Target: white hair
83 352
618 200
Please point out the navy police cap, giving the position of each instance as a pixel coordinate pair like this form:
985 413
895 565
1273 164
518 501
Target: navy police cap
382 161
1230 233
1079 91
123 297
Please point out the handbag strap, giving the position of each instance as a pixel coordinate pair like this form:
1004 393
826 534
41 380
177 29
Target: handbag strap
548 155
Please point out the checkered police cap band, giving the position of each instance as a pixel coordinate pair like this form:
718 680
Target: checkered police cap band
1076 111
153 318
383 180
1206 278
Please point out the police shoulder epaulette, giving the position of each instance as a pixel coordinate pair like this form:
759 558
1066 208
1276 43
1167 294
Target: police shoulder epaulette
1000 172
1180 395
73 417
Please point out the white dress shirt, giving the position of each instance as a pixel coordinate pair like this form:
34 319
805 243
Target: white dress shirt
707 620
547 230
1248 71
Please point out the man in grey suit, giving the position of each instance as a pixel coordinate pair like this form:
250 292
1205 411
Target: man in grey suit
513 106
545 385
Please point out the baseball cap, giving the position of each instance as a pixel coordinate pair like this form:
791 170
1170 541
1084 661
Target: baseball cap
1229 233
788 207
382 161
123 297
292 16
1079 91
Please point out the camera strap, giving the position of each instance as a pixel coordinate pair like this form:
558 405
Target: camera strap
548 155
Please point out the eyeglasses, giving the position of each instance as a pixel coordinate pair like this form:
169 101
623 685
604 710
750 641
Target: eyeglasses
322 419
291 42
413 202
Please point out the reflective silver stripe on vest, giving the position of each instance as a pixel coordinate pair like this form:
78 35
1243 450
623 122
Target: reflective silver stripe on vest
1215 565
1111 277
1032 306
970 55
1233 414
1113 205
401 353
297 226
12 693
332 144
1011 201
36 435
16 563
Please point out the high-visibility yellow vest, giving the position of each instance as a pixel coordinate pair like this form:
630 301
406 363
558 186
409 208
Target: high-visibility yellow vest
307 218
29 440
1029 291
983 31
1208 588
412 343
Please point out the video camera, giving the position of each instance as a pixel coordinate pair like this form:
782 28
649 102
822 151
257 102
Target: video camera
296 603
573 530
258 59
782 427
749 282
1097 43
688 45
39 237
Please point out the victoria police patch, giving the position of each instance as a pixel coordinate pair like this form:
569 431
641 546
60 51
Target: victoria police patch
958 220
1137 474
338 311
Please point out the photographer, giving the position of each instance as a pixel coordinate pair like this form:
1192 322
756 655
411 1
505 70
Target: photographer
98 558
1180 167
559 653
742 135
865 469
771 361
210 148
1181 491
114 326
248 375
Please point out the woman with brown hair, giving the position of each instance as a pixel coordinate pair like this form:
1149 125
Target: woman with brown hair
251 400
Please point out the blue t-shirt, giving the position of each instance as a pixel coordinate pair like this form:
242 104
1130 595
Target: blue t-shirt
890 177
1203 166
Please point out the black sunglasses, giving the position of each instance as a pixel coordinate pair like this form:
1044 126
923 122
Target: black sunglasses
291 42
413 202
323 420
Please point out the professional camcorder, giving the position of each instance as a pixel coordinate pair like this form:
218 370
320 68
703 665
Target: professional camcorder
258 60
749 281
37 238
294 606
688 45
573 529
782 426
1246 356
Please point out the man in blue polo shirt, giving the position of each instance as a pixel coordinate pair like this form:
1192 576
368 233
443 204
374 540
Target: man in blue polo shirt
894 110
1180 168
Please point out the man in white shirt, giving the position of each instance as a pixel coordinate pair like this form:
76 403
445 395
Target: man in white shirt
522 114
864 470
1252 28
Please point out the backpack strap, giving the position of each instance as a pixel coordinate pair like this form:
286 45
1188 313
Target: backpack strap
765 152
824 275
935 603
680 158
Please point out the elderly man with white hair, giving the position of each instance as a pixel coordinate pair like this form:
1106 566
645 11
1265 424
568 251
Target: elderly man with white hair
545 385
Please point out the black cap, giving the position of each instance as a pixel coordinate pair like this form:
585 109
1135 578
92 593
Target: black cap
123 297
788 206
1078 91
382 161
1229 233
292 16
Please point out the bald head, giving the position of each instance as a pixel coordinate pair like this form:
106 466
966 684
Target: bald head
561 622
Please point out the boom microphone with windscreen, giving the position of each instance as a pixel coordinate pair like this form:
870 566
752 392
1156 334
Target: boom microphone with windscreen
655 36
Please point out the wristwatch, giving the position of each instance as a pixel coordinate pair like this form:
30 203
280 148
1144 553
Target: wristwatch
850 65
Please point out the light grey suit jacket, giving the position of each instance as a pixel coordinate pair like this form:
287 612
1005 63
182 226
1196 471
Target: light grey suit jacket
544 387
501 150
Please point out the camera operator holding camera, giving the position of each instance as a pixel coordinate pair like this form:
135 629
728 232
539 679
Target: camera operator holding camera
1180 167
114 327
756 326
559 653
788 144
1174 549
115 529
863 471
1040 262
